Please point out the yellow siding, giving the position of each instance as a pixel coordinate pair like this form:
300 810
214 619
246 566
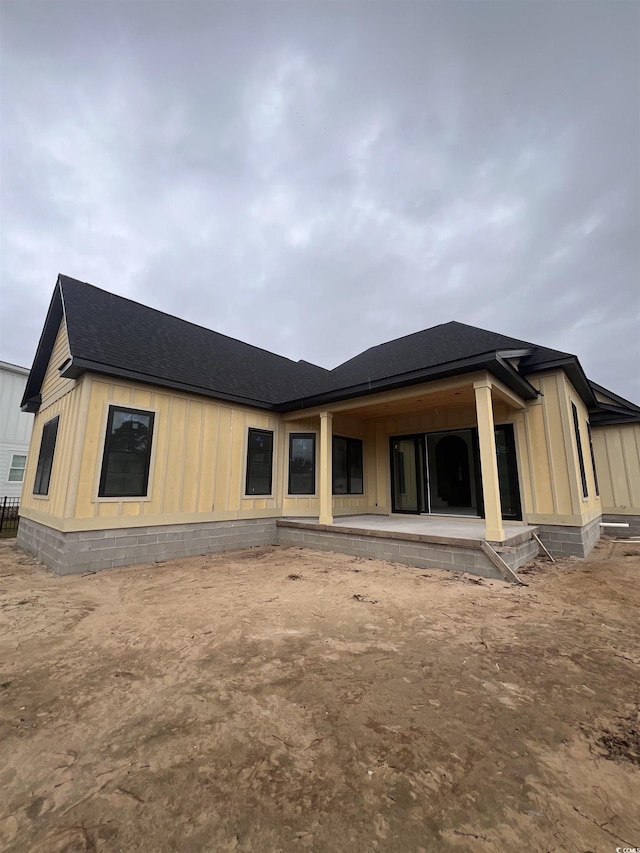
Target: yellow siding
591 505
543 495
208 458
197 469
160 404
550 476
91 448
192 452
223 467
174 469
53 384
236 484
617 452
554 410
67 408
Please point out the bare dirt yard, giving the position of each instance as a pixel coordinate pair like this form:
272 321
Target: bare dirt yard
279 699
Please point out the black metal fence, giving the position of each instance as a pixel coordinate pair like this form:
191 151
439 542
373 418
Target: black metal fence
9 516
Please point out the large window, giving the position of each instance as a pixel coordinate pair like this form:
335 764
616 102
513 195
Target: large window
302 463
347 466
259 462
16 469
576 429
45 457
127 452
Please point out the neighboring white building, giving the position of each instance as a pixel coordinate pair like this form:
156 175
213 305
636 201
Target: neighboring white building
15 429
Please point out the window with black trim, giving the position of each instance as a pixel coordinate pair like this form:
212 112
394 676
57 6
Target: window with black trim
45 457
259 462
347 466
127 453
302 463
576 429
593 460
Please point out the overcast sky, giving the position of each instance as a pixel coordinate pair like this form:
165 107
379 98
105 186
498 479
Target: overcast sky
317 178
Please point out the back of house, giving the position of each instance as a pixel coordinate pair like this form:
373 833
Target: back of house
156 438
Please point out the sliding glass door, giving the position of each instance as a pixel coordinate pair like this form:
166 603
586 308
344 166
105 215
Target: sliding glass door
440 473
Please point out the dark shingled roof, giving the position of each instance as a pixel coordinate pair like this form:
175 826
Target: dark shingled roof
439 345
115 336
116 332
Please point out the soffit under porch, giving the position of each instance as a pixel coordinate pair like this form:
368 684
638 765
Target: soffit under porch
458 393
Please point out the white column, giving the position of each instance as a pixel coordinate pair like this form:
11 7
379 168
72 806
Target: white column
326 477
488 462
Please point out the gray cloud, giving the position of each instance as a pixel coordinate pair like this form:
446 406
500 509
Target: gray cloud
318 178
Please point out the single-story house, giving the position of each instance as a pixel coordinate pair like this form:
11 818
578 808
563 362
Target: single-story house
156 438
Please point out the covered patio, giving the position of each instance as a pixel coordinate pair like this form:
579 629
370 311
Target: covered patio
430 456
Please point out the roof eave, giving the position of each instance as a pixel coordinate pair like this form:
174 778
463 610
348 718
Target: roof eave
492 362
610 418
574 371
31 398
31 405
76 367
616 398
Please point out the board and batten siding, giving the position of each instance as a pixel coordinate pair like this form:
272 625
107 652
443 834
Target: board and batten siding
551 485
54 385
61 398
15 425
198 458
46 508
591 505
617 451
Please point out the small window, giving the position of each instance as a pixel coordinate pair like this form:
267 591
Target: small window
45 458
576 429
16 469
302 463
127 453
593 460
259 462
347 466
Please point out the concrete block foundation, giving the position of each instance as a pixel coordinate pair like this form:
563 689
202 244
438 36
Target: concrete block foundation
564 541
622 532
92 550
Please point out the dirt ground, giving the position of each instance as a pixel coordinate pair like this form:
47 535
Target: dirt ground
280 699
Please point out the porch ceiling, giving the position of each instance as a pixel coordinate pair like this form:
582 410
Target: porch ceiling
462 396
